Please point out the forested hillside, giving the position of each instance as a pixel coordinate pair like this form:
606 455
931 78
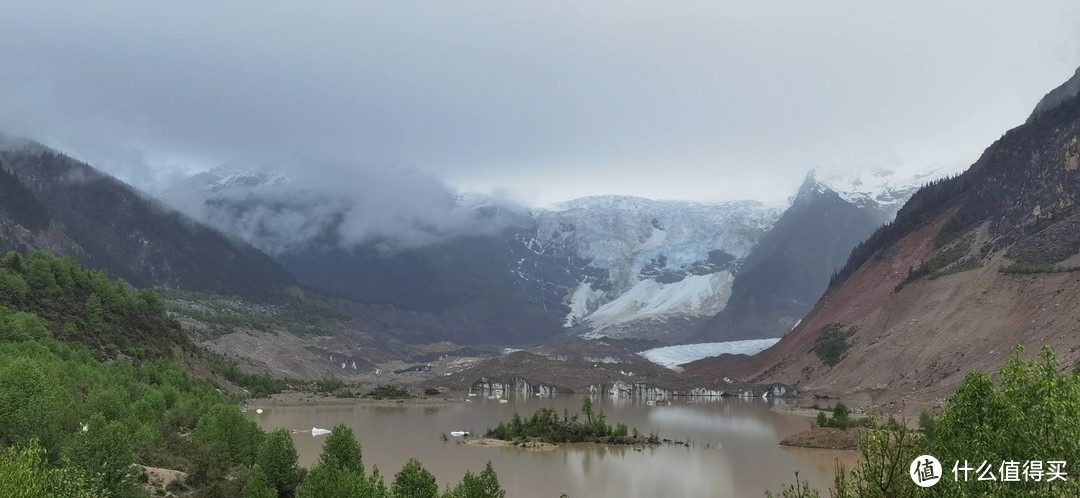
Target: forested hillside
90 390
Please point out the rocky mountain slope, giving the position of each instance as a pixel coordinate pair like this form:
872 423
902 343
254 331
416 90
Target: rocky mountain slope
789 269
972 266
51 201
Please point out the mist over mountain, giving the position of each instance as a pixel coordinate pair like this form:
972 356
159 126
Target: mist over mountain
285 210
53 202
603 266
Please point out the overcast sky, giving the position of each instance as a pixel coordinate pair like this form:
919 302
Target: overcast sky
543 101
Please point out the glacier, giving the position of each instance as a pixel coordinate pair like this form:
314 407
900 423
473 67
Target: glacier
673 356
695 295
642 259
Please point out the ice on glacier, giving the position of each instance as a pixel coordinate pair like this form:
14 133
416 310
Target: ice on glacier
673 356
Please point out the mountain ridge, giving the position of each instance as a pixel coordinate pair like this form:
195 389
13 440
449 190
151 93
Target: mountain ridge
107 224
989 258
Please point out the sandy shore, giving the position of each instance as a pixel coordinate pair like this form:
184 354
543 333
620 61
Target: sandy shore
827 438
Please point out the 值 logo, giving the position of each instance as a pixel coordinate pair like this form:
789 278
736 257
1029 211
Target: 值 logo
925 471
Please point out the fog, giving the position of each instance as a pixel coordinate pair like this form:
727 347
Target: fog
391 109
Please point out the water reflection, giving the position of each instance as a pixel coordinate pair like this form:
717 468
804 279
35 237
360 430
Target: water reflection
733 447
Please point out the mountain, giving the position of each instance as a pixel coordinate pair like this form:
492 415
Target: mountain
972 266
1057 96
423 276
789 269
51 201
627 267
611 266
606 266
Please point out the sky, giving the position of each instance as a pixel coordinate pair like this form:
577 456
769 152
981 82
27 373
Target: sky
535 101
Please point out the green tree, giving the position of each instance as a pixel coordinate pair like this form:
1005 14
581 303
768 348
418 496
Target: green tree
13 288
328 481
25 473
95 313
882 471
39 273
587 409
109 400
20 326
832 344
340 471
257 485
414 481
841 416
342 451
14 261
228 434
277 459
31 405
104 451
151 301
486 485
1030 416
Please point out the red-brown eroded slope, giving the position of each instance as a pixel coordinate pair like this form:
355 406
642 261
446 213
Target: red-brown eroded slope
915 345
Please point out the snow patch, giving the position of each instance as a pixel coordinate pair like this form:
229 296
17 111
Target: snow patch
673 356
885 186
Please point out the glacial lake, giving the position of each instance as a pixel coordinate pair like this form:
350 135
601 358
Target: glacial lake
733 449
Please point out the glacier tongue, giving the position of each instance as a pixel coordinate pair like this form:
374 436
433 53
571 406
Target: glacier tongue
673 356
693 296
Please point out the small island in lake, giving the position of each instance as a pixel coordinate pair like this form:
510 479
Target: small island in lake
586 426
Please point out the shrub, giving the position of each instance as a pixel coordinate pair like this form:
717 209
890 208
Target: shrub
832 345
388 392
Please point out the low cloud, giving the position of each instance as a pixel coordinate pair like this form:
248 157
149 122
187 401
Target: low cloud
282 209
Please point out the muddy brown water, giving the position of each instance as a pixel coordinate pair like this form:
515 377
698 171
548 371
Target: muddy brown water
733 446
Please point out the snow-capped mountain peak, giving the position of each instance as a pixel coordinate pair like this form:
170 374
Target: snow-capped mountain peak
881 188
222 178
883 185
